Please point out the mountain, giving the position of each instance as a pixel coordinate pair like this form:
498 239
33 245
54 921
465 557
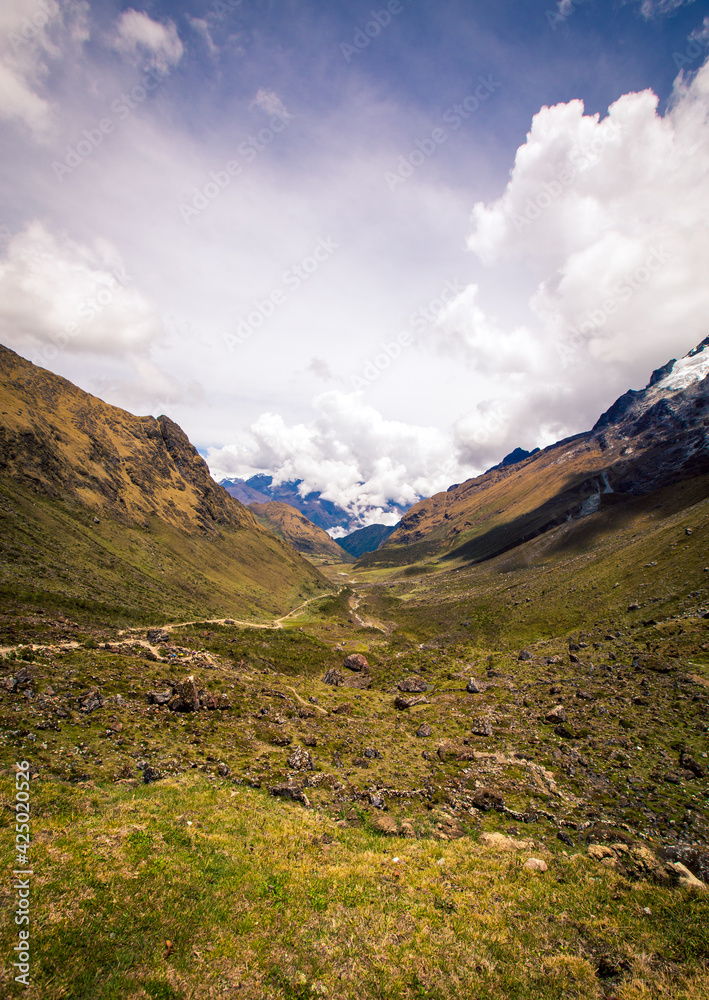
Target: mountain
294 528
366 539
648 439
323 513
104 510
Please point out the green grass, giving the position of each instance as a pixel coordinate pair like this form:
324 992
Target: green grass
264 899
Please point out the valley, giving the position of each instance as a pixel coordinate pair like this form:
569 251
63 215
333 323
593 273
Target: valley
440 770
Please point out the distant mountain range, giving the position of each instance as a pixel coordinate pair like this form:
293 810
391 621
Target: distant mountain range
648 439
324 513
288 523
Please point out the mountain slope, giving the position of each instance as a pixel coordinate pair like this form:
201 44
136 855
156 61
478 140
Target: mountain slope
293 527
648 439
366 539
106 510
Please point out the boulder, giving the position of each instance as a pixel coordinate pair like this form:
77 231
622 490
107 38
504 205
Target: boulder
536 865
356 662
556 714
472 687
90 701
487 799
424 730
159 697
413 684
403 703
334 677
185 696
300 760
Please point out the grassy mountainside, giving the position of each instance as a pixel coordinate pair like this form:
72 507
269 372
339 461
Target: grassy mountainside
118 514
294 528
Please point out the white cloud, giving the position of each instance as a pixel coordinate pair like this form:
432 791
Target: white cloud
610 217
152 44
658 8
349 453
33 34
201 26
57 295
269 102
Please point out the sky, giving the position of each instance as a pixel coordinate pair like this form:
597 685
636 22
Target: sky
372 246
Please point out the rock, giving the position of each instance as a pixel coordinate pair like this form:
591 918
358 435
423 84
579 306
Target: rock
536 865
652 663
482 727
689 531
356 662
90 701
208 701
371 754
524 655
223 769
487 799
556 714
472 687
406 828
310 741
634 606
634 861
689 764
306 713
449 828
23 679
301 760
403 703
185 696
424 730
376 800
694 858
564 730
150 774
159 697
345 709
334 677
454 751
155 635
502 843
413 684
564 838
686 879
291 791
386 824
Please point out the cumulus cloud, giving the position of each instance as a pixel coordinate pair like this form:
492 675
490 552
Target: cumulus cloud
58 295
32 36
658 8
149 43
609 214
201 26
350 453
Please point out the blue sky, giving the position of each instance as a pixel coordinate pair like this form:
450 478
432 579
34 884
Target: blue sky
375 247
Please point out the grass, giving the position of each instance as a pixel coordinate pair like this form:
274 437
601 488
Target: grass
264 899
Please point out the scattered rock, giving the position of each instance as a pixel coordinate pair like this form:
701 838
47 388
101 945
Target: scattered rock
651 663
487 799
454 751
634 606
689 531
564 838
424 730
449 828
372 754
223 769
482 727
689 764
150 774
301 760
157 635
404 703
536 865
185 696
556 714
413 684
472 687
634 861
291 791
90 701
334 677
345 709
524 655
564 730
356 662
159 697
